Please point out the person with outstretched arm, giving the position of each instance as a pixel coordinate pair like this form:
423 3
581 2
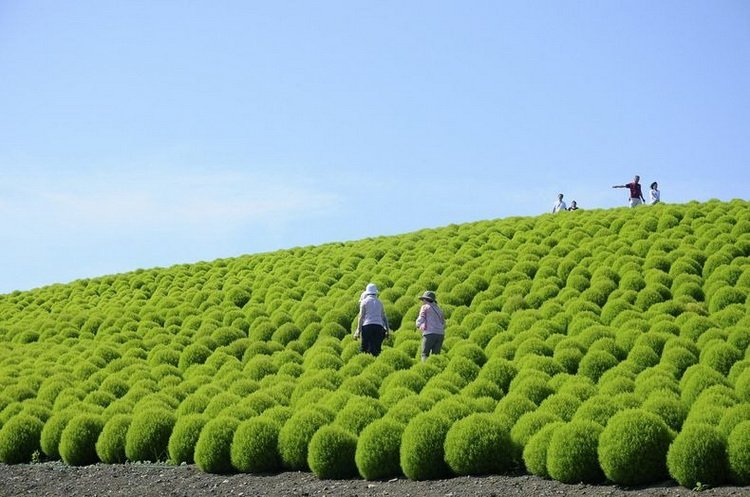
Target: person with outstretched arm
636 195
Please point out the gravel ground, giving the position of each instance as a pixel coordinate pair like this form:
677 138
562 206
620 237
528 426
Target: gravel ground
134 480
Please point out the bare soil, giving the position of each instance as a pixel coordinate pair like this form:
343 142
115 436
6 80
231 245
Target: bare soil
159 480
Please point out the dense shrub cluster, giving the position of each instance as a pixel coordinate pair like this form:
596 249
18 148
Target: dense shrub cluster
611 344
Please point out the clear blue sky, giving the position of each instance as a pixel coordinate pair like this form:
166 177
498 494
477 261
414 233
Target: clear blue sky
136 134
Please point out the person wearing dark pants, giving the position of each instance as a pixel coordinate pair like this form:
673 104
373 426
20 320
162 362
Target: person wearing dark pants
431 322
373 323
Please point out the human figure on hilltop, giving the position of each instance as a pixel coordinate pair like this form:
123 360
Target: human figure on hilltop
559 206
654 195
431 322
636 195
573 206
372 326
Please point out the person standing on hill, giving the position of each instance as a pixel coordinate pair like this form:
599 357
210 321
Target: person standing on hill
654 196
431 321
373 323
559 206
636 195
573 206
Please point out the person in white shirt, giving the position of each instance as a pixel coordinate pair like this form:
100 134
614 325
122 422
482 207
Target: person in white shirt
654 196
559 205
373 323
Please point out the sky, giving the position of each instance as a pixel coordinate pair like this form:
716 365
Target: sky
146 133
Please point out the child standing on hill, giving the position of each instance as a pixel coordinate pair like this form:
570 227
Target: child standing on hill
373 323
431 322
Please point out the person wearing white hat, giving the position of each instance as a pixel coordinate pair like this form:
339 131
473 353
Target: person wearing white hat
373 323
431 321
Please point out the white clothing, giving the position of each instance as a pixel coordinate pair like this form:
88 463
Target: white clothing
371 311
634 202
654 196
559 206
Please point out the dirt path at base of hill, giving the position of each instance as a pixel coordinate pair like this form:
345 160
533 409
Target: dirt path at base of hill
136 480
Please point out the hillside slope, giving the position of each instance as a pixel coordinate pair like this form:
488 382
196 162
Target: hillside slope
566 335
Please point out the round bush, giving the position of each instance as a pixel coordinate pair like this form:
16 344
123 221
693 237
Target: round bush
377 454
572 453
296 434
720 356
148 435
535 452
110 446
633 448
478 444
422 452
358 413
78 439
331 453
698 454
513 406
668 407
52 431
19 439
213 450
255 446
738 454
184 437
527 426
595 364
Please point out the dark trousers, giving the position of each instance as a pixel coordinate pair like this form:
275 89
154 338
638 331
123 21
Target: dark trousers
372 338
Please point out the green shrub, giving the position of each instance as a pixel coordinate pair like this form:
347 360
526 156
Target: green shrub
378 445
535 452
52 431
732 417
331 453
633 448
358 413
698 378
572 453
527 426
698 455
184 437
148 435
296 434
78 439
513 406
599 408
110 446
738 455
561 404
720 356
255 446
669 408
478 444
422 452
213 449
499 371
19 439
595 364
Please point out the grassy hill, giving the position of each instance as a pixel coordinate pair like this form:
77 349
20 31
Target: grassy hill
583 346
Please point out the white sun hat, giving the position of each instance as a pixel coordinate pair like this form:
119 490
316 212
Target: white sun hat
371 289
